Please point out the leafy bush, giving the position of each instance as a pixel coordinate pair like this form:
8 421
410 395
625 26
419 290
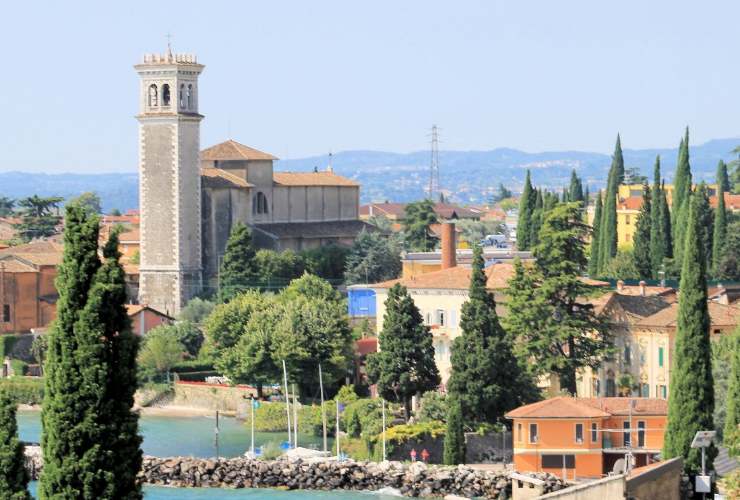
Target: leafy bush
346 394
271 451
731 485
271 417
25 390
19 367
192 365
433 407
405 432
6 344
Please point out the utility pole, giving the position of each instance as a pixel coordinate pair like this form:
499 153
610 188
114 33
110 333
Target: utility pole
434 163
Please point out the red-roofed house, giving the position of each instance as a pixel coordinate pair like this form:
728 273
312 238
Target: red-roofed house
144 318
584 437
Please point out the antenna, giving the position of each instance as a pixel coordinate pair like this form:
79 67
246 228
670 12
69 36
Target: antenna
434 163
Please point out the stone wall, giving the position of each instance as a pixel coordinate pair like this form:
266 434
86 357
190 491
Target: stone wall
211 396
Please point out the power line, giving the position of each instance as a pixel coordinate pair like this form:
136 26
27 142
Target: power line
434 163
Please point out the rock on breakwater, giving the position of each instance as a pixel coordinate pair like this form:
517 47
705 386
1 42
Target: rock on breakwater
417 479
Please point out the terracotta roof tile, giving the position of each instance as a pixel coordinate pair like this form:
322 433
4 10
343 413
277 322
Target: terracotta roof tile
631 203
232 150
311 179
732 202
568 407
132 236
455 278
40 253
12 264
719 315
312 230
216 177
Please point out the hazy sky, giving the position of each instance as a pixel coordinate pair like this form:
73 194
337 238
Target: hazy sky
304 77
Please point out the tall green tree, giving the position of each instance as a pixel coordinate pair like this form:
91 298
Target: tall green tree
719 236
732 418
373 258
39 217
691 401
454 442
89 201
418 217
682 191
6 206
608 226
238 266
593 261
705 215
659 240
575 190
555 329
538 213
526 207
643 228
405 364
729 262
13 473
723 180
484 365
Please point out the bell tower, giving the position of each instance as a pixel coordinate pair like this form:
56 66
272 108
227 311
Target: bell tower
169 180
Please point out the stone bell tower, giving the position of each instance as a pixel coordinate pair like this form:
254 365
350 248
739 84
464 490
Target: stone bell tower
169 180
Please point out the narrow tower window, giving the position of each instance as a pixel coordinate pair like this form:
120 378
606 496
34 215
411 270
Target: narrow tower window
259 203
153 96
181 96
190 96
165 95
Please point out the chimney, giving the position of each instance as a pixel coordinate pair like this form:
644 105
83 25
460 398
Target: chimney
642 288
449 250
620 285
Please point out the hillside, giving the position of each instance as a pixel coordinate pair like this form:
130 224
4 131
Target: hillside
468 176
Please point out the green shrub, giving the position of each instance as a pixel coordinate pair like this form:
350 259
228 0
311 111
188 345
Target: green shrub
24 390
6 344
405 432
433 407
271 451
19 367
271 417
346 394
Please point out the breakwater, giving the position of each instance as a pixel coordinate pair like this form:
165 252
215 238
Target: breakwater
416 479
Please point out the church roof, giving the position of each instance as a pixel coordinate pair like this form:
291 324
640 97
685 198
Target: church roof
232 150
314 230
219 178
311 179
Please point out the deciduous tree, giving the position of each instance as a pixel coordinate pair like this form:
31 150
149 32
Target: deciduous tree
374 257
418 217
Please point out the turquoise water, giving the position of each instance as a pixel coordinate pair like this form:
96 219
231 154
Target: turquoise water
162 493
183 436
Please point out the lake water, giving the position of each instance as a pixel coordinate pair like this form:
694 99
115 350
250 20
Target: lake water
184 436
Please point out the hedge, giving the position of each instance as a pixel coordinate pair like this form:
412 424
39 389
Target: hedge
24 390
6 344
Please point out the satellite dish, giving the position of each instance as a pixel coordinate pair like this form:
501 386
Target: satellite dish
619 466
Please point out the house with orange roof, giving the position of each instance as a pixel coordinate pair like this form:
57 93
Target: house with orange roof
144 318
27 292
578 438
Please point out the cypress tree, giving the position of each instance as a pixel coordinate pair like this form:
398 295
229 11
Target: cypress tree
658 250
691 402
665 215
719 235
723 180
67 435
13 474
643 229
483 362
732 418
593 261
537 217
618 161
681 194
575 190
608 228
706 220
526 204
237 268
454 443
405 364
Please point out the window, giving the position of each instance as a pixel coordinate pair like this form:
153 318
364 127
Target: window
6 313
190 96
519 432
660 357
439 317
594 432
259 203
663 391
611 388
181 96
597 387
428 319
165 95
645 390
627 437
641 433
627 355
579 433
627 220
153 97
532 433
558 461
628 237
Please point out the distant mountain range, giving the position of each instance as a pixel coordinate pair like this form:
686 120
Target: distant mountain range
465 176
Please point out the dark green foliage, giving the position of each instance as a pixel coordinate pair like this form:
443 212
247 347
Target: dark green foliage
89 201
526 206
39 217
13 474
196 311
691 402
575 191
501 194
238 267
374 257
682 189
618 162
732 418
729 263
484 366
642 255
705 214
6 206
418 217
538 214
275 268
454 443
622 266
405 364
328 261
24 390
593 261
722 180
608 226
660 244
719 235
555 329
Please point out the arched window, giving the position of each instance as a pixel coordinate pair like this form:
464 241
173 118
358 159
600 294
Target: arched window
165 95
190 96
153 95
181 96
259 203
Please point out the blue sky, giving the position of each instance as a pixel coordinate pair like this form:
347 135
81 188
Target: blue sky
299 78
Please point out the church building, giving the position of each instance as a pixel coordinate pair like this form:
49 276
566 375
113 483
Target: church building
190 199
